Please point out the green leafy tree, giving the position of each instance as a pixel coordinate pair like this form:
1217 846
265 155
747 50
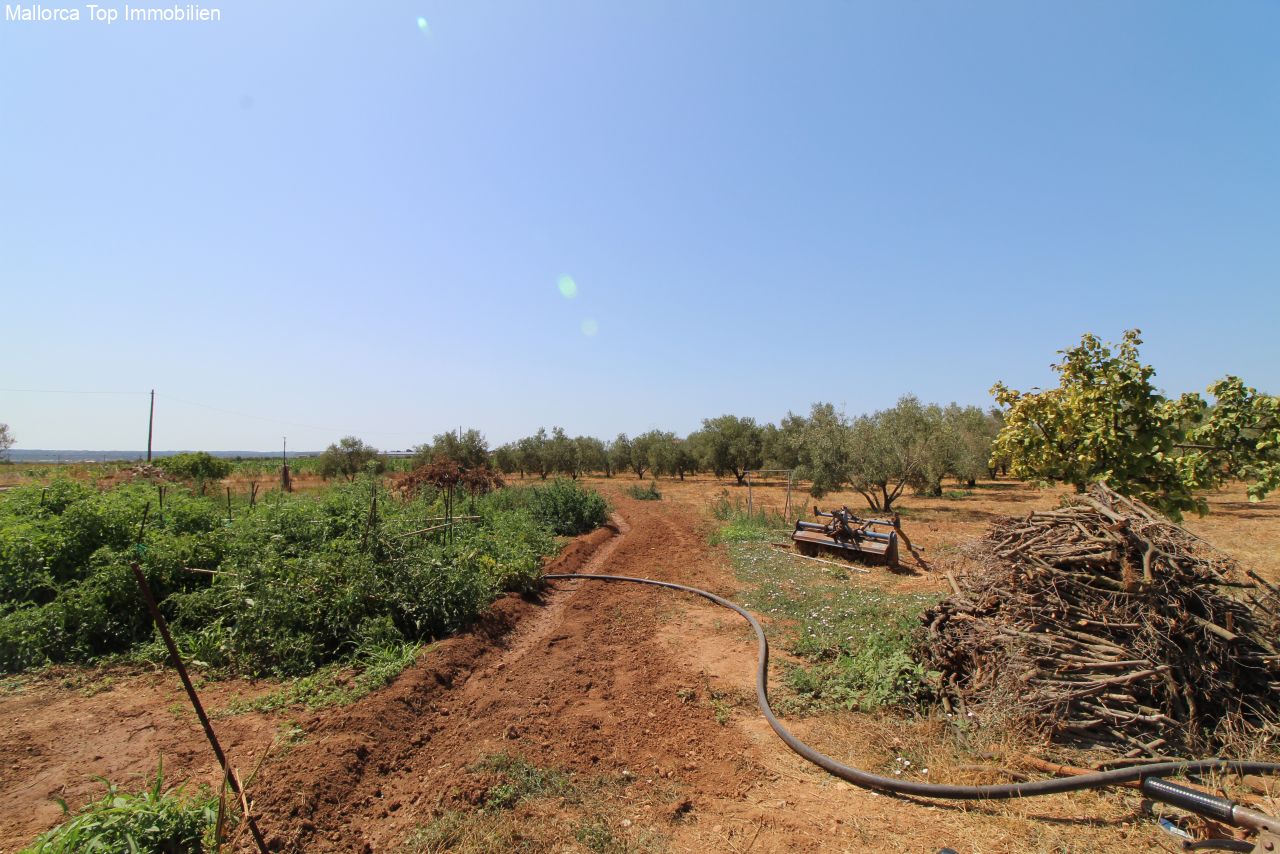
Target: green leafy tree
6 441
348 458
506 460
1106 421
732 444
818 447
657 452
686 461
591 454
532 454
1237 437
699 444
970 433
561 453
892 449
620 451
641 450
469 450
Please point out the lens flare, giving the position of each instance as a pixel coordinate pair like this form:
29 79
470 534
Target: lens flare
590 328
424 27
568 287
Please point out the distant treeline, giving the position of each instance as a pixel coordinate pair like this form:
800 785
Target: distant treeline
911 445
43 455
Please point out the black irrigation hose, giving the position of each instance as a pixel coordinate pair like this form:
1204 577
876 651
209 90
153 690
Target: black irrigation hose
935 790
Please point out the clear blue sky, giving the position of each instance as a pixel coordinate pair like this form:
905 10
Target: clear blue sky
324 213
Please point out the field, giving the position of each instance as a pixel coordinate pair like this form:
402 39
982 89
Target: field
609 718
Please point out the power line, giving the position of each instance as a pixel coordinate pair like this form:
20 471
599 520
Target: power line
64 391
283 421
211 408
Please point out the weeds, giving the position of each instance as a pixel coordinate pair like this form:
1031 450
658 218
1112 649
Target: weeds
463 832
645 493
532 808
153 820
337 684
854 642
739 526
521 780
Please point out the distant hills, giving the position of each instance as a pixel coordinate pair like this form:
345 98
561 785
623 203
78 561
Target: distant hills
42 455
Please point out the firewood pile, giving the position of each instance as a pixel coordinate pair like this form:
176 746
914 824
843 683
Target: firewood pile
1109 627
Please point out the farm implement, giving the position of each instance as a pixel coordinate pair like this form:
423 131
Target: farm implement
846 534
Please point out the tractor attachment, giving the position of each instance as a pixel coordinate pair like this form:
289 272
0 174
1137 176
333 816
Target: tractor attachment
848 535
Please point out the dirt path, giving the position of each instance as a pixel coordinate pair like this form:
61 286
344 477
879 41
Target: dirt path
581 681
626 683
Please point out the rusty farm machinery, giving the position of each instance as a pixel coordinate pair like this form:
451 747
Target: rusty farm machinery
870 540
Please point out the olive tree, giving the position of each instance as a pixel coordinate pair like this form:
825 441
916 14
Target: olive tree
561 453
892 449
731 444
654 450
685 460
531 451
506 460
620 450
469 450
969 434
817 447
591 454
349 457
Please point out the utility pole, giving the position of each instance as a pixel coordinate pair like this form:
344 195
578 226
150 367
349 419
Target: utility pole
151 423
285 483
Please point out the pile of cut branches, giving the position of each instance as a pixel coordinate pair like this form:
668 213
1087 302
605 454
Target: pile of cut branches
1107 626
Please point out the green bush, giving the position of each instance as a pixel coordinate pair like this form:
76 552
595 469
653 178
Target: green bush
562 505
645 493
150 821
195 466
300 582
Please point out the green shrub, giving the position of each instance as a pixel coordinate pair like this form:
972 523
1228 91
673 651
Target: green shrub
150 821
562 505
881 672
195 466
302 581
645 493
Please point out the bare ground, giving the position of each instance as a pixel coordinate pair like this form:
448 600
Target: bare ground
643 691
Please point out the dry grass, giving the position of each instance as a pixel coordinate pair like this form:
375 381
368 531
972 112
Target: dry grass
804 809
942 526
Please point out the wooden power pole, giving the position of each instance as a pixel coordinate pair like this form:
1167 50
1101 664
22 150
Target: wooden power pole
151 423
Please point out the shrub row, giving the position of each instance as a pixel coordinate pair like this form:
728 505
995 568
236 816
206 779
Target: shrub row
298 582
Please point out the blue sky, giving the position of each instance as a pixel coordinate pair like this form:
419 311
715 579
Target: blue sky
327 219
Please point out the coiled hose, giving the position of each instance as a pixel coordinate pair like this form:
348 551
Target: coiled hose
932 790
